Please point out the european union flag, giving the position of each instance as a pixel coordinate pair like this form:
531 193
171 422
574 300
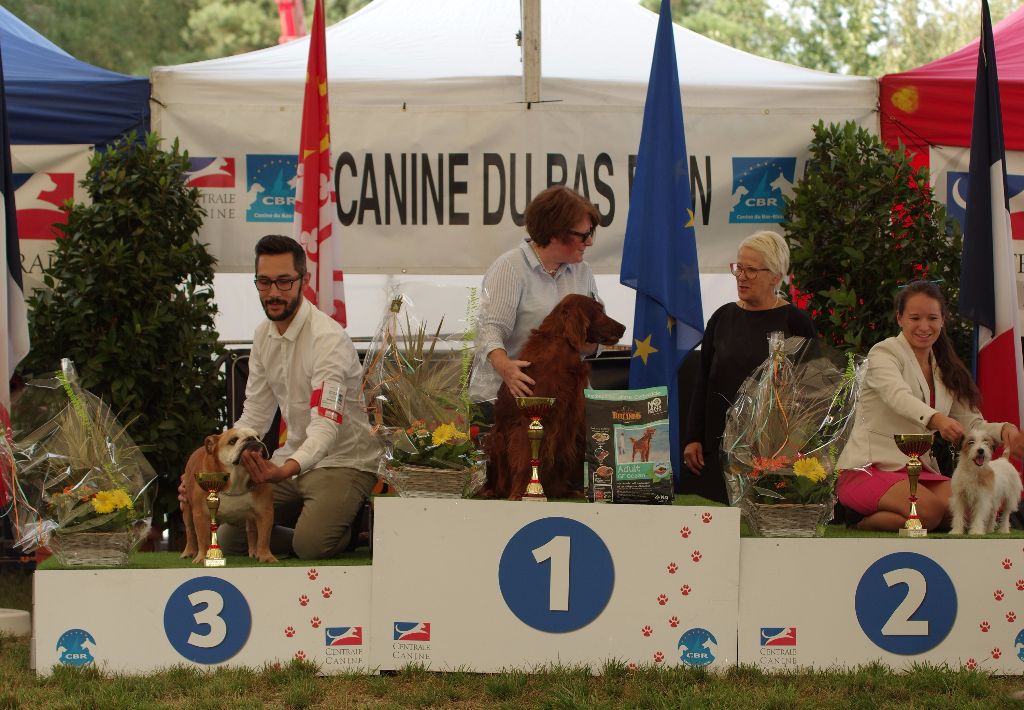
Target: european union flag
659 257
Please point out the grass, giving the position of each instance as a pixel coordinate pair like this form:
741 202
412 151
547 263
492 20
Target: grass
297 685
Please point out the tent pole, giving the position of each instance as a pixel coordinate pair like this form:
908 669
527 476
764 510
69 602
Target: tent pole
531 50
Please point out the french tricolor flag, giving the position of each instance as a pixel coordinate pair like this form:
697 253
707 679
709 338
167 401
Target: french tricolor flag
13 313
988 285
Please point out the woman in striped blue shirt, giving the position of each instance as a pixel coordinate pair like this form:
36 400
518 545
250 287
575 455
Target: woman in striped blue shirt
524 284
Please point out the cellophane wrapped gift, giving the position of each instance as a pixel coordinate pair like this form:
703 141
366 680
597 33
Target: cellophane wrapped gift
416 382
81 485
783 436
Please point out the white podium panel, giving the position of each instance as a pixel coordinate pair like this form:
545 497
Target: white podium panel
135 621
491 585
827 603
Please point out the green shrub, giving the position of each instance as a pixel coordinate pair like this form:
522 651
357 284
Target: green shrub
129 299
861 223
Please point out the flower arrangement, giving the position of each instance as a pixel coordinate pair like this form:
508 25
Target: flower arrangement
444 446
416 385
790 420
77 473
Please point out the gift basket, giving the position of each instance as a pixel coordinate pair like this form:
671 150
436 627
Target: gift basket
81 487
783 435
416 386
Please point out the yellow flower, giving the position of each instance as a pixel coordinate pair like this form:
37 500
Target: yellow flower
109 501
447 433
809 468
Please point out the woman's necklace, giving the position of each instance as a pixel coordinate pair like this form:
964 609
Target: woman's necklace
743 304
549 272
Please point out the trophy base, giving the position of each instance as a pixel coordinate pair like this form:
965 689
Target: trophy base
534 498
913 532
214 558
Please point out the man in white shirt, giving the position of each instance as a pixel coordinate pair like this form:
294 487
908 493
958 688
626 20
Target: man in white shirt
304 363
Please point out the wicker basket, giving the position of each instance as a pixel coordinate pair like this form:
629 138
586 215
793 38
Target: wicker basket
424 482
92 549
788 519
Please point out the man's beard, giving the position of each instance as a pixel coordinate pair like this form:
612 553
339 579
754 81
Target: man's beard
289 307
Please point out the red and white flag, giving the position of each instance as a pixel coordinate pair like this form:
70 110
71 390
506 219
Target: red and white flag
316 216
988 286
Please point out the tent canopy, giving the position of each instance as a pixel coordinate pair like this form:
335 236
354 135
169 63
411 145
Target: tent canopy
53 98
462 52
933 104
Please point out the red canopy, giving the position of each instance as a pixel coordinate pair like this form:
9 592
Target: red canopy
933 104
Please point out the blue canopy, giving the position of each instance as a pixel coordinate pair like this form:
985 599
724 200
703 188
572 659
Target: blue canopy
54 98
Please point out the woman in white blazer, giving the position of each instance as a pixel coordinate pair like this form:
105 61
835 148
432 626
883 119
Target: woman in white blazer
915 383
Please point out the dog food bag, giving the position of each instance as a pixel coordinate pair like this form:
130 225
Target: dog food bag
628 457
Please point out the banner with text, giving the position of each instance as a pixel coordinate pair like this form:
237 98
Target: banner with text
443 190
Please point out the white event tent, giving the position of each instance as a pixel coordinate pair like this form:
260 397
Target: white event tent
437 152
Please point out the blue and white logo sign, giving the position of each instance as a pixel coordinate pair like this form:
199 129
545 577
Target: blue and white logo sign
270 185
207 620
757 188
694 649
906 603
75 647
958 188
1018 643
556 575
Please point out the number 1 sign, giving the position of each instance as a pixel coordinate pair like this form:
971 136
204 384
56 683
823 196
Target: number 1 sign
491 584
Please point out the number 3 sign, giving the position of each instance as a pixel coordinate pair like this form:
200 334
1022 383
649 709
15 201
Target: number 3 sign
207 620
906 603
556 575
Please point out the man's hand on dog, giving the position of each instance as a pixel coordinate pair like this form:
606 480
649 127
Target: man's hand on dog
263 471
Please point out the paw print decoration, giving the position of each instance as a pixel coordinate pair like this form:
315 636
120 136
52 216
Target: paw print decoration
303 600
659 656
1007 563
996 653
998 595
315 622
673 622
312 574
971 664
1020 585
672 567
662 599
289 631
706 518
327 592
647 630
685 590
984 626
1011 616
696 556
684 532
300 655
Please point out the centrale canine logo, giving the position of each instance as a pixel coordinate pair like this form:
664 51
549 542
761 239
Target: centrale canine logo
412 631
75 647
778 636
343 636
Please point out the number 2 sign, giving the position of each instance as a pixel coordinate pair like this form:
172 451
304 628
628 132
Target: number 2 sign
556 575
906 603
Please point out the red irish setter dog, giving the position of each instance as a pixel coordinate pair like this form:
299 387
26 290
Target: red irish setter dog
642 445
553 350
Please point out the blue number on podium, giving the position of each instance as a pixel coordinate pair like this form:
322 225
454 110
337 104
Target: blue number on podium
207 620
906 603
556 575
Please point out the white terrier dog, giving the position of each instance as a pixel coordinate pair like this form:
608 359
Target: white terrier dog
982 486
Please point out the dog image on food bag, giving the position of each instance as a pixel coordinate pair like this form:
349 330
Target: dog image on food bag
982 486
241 501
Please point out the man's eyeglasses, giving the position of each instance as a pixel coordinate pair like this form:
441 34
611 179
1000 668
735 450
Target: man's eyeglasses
283 284
583 236
747 272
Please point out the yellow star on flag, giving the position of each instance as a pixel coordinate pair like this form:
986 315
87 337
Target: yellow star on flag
671 324
690 213
644 349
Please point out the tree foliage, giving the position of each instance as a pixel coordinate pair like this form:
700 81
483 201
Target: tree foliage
129 299
861 223
867 37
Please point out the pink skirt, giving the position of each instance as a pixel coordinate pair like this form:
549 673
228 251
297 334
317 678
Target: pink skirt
861 489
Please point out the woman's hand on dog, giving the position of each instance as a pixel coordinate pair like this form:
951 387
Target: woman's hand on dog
949 429
1010 434
693 456
511 371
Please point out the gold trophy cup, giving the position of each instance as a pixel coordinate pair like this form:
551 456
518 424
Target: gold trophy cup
213 482
535 408
914 446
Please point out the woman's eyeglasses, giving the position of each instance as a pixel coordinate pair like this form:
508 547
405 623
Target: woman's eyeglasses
583 236
747 272
283 284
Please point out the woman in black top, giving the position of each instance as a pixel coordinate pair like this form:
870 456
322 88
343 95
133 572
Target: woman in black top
735 343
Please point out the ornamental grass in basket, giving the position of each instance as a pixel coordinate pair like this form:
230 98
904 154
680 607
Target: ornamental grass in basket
81 486
416 384
783 435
